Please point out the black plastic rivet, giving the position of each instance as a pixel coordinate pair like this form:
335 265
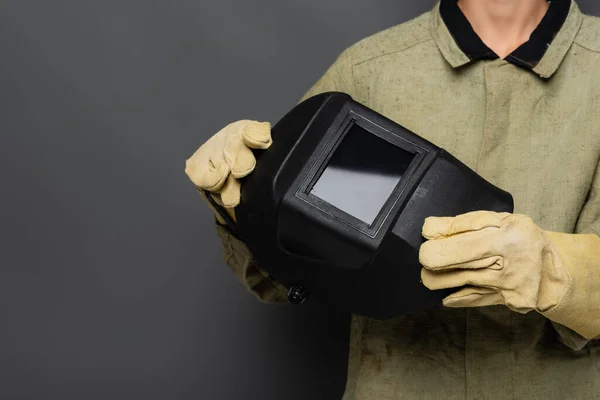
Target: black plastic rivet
297 294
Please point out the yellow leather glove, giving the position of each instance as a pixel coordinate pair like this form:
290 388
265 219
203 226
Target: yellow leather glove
216 167
226 157
503 258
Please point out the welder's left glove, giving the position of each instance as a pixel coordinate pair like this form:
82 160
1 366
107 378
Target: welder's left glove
503 258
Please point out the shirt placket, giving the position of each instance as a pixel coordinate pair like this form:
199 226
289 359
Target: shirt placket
487 365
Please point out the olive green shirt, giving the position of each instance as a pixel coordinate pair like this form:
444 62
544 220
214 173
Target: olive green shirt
533 133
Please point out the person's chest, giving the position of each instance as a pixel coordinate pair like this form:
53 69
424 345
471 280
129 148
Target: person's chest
537 139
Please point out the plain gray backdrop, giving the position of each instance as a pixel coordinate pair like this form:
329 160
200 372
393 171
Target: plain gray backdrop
112 284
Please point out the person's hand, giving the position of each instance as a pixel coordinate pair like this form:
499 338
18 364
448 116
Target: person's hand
503 258
226 157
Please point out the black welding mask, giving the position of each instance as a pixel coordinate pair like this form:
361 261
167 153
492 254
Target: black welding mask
335 207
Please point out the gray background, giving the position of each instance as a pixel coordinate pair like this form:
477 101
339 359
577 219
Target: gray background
112 284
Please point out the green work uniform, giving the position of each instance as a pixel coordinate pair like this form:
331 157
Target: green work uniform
533 132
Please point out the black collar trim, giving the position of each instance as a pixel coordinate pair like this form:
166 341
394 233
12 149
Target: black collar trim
528 55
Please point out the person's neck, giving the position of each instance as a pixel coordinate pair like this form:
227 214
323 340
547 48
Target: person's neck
504 25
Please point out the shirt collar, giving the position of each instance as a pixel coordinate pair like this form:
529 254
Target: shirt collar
542 53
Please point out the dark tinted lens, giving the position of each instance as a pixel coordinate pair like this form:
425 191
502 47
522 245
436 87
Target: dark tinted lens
361 174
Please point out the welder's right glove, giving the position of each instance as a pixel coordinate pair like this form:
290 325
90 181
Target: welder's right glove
216 167
226 157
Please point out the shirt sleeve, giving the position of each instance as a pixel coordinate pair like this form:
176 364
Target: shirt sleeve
587 223
337 78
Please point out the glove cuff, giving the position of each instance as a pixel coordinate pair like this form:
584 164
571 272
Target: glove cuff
579 307
218 216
